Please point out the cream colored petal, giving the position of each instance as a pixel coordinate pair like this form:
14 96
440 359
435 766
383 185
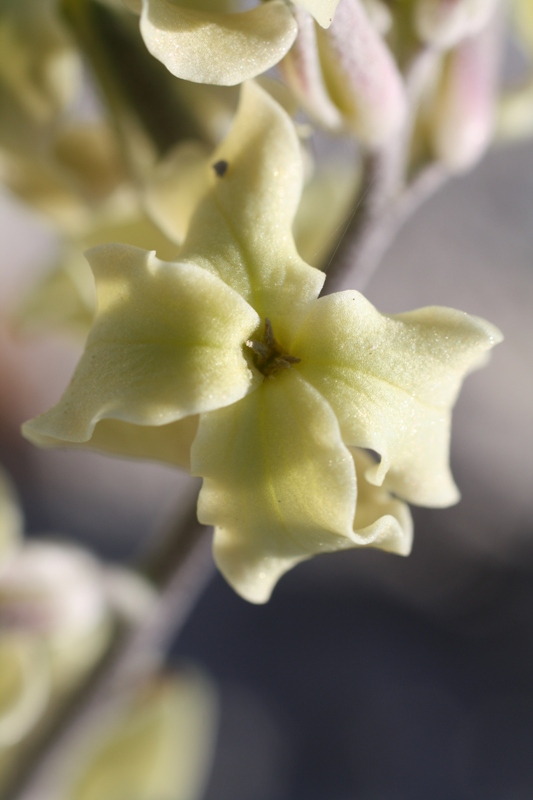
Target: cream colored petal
10 518
24 686
327 205
381 520
322 10
443 23
170 444
523 18
37 58
160 748
176 186
392 381
220 48
515 114
242 231
279 485
64 299
167 343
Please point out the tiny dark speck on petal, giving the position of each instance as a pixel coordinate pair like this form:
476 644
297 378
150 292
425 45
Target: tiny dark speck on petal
221 167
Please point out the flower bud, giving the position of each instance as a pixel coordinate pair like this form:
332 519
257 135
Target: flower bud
55 593
160 746
444 23
346 77
10 518
39 71
24 686
464 115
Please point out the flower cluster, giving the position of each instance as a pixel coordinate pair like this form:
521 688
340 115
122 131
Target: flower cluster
228 360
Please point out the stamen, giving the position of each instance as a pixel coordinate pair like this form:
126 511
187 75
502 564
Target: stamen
269 356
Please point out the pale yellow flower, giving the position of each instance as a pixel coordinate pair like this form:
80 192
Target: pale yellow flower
160 746
10 518
444 23
54 594
39 71
230 350
212 41
515 117
25 685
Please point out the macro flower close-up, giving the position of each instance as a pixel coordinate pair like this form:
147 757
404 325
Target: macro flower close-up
213 41
230 354
256 257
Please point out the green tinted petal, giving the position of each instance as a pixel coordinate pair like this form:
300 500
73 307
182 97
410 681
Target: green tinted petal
159 750
381 520
169 443
322 10
392 381
221 48
523 18
279 485
24 685
10 517
242 231
64 299
167 343
40 72
327 204
176 186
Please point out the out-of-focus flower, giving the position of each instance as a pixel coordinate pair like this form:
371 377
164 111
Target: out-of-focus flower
183 178
82 188
232 338
55 594
25 687
10 518
213 42
515 113
464 106
55 622
346 77
39 71
444 23
160 747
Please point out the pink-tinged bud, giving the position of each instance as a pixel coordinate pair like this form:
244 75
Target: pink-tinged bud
346 77
302 70
444 23
464 116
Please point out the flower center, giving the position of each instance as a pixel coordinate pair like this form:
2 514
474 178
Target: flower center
269 356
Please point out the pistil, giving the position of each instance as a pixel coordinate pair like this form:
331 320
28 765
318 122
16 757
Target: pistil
269 356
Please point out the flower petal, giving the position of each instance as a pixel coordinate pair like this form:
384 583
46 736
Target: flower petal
242 231
170 444
322 10
176 186
392 381
10 518
326 207
220 48
381 520
167 343
24 685
159 747
279 485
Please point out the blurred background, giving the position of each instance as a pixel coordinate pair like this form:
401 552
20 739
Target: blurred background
367 676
